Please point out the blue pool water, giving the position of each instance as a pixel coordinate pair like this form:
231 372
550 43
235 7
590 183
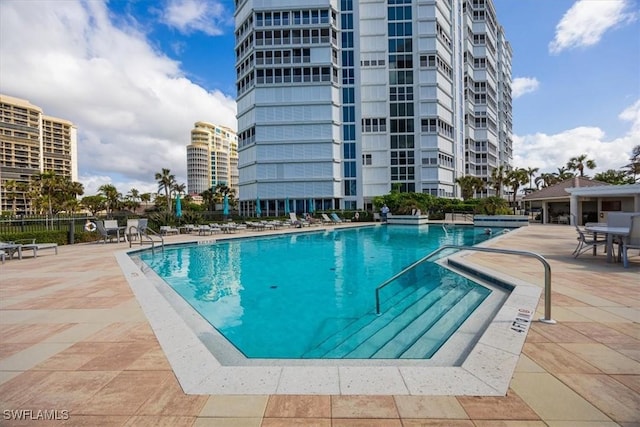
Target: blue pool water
312 294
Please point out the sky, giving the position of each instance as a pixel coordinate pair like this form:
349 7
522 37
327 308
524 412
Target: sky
135 75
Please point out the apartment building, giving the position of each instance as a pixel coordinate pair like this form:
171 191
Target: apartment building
212 158
339 101
30 143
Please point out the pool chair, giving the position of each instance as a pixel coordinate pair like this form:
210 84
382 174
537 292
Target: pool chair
586 242
165 230
335 218
31 245
295 222
326 219
632 241
108 233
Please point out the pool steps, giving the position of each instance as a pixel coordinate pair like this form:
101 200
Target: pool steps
404 329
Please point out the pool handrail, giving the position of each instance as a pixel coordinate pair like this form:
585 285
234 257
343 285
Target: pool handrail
547 273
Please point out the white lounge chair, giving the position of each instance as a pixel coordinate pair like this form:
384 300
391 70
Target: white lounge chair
167 229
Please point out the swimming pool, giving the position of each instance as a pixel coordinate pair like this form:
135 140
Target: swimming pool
312 295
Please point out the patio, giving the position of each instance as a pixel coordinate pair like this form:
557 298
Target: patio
75 339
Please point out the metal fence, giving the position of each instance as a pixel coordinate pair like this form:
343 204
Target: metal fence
34 224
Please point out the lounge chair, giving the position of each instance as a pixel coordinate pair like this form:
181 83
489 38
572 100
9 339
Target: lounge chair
326 219
11 248
30 244
295 222
165 230
3 255
335 218
632 241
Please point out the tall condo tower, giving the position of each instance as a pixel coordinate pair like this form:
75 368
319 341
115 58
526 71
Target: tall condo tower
212 158
340 100
31 143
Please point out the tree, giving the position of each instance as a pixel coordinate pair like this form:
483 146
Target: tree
111 195
47 182
578 163
94 204
615 177
10 192
469 185
530 173
166 180
562 174
514 178
634 167
497 179
132 199
208 198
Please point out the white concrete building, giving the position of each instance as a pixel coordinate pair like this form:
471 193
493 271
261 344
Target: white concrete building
340 100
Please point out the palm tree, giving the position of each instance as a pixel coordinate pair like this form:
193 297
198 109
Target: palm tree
48 183
497 179
562 174
69 194
208 198
633 168
112 196
514 179
578 163
10 192
530 173
166 180
469 185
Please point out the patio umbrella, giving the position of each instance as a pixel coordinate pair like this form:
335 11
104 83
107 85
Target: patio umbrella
225 206
287 210
178 206
312 208
258 210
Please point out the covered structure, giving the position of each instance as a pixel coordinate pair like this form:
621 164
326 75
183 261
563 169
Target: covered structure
586 199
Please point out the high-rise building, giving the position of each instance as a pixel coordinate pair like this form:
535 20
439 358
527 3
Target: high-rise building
340 100
212 158
32 143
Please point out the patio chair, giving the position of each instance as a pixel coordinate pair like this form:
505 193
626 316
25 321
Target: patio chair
326 219
632 241
585 243
107 233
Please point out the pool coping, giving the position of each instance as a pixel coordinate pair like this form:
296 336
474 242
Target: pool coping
486 371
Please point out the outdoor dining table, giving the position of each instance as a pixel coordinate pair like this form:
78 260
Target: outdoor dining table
610 232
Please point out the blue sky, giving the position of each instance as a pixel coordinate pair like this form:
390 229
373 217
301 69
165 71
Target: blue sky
134 76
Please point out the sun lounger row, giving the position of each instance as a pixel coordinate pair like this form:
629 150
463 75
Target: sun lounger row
11 249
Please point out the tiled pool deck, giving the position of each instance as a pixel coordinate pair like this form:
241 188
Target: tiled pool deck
74 338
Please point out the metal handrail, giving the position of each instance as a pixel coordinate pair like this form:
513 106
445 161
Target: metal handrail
547 273
145 232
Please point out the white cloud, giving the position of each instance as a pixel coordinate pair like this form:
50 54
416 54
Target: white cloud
523 85
195 15
550 152
133 107
587 20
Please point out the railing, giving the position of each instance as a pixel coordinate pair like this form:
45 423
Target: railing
148 234
547 273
